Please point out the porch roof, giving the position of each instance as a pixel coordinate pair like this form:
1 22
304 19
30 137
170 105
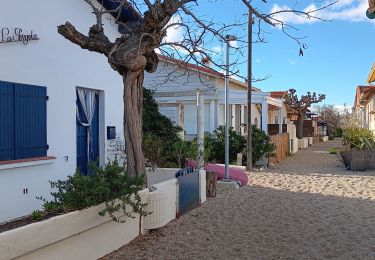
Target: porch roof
236 97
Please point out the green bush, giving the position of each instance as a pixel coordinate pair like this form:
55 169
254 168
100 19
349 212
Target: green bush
333 150
339 132
358 138
215 147
237 144
109 185
37 215
160 134
261 145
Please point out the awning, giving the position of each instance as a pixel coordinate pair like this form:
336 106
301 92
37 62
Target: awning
371 75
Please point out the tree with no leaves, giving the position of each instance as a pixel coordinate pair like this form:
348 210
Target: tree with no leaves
301 105
134 52
331 115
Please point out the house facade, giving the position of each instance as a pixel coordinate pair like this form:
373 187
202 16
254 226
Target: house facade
285 116
59 105
176 84
364 107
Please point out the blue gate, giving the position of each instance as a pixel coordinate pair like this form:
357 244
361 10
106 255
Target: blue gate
188 199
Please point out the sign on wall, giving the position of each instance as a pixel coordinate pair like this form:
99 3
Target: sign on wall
17 35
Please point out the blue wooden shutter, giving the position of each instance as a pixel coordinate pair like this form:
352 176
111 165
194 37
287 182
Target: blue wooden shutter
30 121
6 121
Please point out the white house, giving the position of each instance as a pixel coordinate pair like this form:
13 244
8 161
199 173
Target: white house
364 106
60 106
176 84
40 76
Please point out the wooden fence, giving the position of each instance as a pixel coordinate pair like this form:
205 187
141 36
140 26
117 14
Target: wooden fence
282 147
308 128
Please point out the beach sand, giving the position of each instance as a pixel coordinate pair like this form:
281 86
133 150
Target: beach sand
307 207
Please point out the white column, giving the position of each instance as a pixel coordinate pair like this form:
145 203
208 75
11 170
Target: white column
181 119
221 114
200 129
233 116
280 122
213 116
236 118
265 115
243 119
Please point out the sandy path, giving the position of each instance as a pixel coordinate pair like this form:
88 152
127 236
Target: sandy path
307 207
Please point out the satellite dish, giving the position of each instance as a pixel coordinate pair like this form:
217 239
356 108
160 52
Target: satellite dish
370 15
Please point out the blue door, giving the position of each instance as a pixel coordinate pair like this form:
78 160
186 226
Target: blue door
86 155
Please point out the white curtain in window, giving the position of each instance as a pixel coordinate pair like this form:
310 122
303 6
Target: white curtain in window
87 101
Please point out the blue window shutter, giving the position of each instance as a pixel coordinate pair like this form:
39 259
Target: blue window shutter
6 121
30 121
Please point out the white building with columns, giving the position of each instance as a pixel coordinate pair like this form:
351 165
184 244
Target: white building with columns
176 84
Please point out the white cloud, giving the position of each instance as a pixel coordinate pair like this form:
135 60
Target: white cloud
342 108
217 50
175 33
257 60
342 3
345 10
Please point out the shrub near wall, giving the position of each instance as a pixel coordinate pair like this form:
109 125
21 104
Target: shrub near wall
78 232
359 149
108 185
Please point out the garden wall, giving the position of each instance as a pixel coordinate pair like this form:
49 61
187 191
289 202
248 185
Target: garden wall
359 160
282 147
76 235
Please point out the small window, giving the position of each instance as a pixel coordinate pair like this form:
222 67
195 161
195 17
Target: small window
23 120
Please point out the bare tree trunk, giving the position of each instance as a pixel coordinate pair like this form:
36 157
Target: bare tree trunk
133 99
300 126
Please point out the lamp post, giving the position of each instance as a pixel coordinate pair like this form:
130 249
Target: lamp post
228 39
249 163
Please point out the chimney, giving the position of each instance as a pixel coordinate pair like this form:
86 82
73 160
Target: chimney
206 61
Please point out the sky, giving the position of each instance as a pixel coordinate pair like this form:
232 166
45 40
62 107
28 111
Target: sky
338 57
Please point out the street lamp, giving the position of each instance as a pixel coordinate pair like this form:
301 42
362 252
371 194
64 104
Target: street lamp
249 163
228 39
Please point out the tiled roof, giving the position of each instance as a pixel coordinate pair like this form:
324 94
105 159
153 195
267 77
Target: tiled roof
272 107
362 93
278 94
191 66
202 69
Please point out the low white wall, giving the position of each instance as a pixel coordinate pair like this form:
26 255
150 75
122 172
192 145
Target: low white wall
86 235
76 235
294 145
202 186
158 175
303 143
310 140
163 203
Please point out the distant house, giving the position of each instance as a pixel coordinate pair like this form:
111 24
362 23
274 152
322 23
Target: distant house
176 84
286 116
364 106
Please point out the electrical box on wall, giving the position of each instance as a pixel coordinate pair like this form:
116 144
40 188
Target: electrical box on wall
111 132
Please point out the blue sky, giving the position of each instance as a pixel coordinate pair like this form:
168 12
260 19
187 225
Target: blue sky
339 56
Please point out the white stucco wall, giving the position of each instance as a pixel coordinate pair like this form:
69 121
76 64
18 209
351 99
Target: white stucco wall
61 66
170 77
